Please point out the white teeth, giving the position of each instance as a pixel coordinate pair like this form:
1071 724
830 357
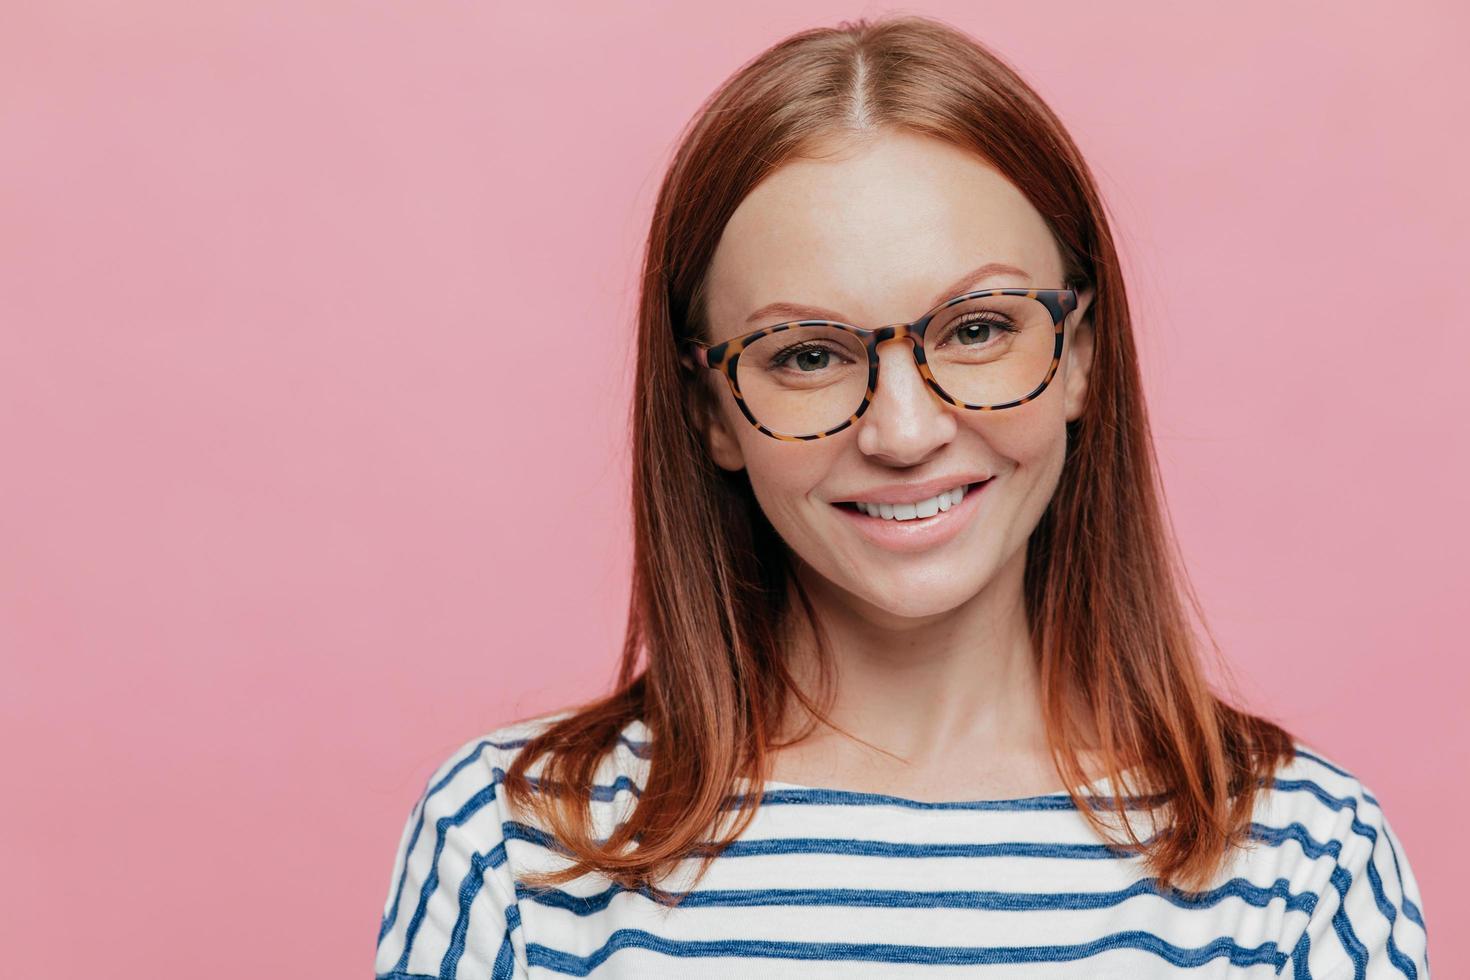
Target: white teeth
909 512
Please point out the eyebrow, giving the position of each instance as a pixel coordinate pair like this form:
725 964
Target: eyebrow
798 311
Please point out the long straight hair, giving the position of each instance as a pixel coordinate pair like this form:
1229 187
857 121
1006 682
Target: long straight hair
712 586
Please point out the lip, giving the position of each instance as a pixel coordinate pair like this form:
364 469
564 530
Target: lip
912 493
920 533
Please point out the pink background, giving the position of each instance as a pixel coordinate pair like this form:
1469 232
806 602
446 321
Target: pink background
286 514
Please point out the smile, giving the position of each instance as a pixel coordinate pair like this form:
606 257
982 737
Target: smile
916 526
914 511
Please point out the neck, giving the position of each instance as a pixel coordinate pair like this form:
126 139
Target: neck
924 688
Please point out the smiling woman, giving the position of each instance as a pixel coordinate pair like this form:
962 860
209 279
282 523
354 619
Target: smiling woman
909 686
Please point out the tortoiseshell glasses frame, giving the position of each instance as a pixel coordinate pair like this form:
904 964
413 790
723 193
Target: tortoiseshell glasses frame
725 356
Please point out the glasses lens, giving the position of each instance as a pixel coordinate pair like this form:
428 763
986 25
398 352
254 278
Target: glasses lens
803 380
990 350
987 350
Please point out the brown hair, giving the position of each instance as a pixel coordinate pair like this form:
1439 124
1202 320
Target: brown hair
711 583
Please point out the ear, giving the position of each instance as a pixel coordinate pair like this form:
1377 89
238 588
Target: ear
709 396
1078 359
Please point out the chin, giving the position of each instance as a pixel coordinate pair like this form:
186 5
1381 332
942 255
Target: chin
927 593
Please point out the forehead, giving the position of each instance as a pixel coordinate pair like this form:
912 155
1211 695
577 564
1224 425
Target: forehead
873 231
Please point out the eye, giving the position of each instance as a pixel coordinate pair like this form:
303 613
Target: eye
977 328
808 357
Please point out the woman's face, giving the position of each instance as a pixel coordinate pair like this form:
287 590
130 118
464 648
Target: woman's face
879 235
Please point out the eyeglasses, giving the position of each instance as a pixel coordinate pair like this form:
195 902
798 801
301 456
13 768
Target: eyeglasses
808 379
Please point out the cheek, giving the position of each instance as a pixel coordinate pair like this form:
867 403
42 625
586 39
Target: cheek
784 477
1031 436
781 474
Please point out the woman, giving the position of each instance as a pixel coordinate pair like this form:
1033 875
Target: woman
909 687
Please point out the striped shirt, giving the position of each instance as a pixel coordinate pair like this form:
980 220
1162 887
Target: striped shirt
830 883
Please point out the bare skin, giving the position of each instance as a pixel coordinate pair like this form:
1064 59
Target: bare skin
934 663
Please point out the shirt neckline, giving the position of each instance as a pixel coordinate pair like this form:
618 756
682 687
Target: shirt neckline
1096 788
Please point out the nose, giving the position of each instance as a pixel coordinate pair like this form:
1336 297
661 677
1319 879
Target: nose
906 421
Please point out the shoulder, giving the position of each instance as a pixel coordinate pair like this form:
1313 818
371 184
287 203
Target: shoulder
464 799
451 903
464 793
1318 794
469 776
620 772
1327 838
473 772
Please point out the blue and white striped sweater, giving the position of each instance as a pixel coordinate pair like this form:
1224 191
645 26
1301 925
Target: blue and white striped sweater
827 883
